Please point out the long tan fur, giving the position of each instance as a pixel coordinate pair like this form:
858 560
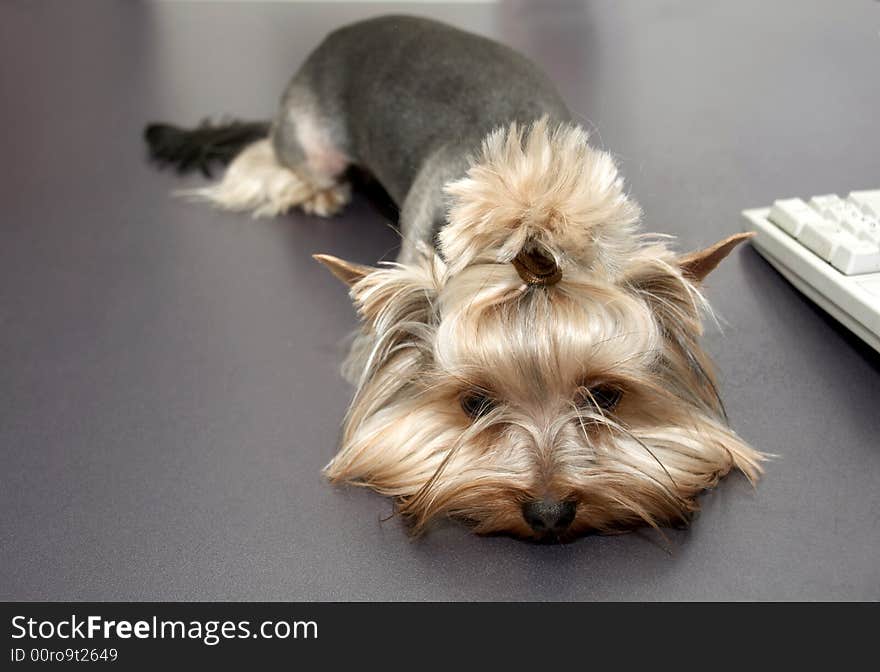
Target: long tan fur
540 185
624 314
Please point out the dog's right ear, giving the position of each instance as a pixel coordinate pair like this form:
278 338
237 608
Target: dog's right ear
347 271
391 295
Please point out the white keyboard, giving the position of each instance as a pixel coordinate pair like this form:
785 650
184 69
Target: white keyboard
829 248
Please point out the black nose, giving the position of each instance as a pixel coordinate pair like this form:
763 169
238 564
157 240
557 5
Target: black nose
548 516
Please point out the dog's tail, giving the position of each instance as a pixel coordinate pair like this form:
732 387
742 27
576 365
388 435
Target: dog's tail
201 147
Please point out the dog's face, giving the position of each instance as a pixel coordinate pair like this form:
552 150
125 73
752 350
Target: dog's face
535 411
541 409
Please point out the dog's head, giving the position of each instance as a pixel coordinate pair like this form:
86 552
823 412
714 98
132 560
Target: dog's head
547 378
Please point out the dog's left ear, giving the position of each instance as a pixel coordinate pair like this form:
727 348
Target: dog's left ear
347 271
392 295
698 264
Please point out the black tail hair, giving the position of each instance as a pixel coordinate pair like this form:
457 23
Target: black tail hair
200 147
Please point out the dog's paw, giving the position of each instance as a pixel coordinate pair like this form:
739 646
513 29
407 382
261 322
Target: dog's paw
327 202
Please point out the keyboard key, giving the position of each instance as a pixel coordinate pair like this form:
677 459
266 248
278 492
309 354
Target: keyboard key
852 256
854 221
827 205
870 232
867 201
820 236
792 214
846 213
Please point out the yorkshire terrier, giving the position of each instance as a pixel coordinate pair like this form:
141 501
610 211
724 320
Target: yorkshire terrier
531 364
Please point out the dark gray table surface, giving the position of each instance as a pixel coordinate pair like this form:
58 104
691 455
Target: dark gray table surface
169 385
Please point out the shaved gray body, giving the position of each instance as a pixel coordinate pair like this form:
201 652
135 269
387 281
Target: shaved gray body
408 99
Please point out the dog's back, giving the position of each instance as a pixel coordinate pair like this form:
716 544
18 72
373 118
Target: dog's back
406 98
402 86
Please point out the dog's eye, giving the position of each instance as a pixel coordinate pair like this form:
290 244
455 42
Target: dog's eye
476 404
605 397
